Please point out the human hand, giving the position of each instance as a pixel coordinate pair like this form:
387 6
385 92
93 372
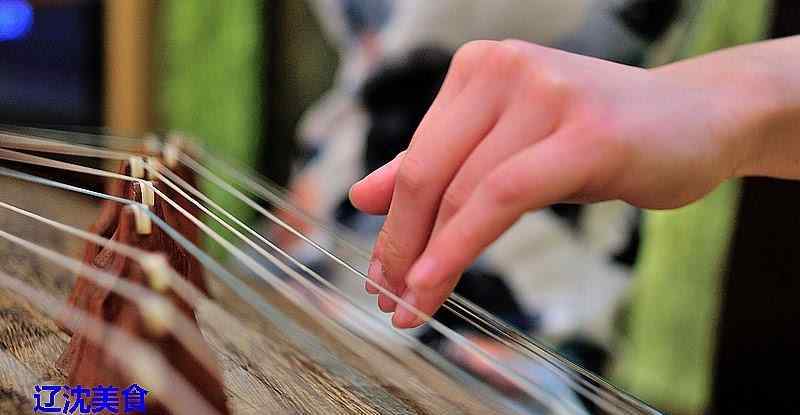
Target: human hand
517 127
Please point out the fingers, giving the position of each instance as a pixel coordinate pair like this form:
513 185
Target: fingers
466 110
520 127
374 279
441 144
539 176
426 301
461 70
373 194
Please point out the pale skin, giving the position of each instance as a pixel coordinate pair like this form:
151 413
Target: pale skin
517 127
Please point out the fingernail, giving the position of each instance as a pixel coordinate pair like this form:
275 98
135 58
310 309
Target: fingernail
386 304
375 275
403 316
353 186
357 184
369 287
422 274
370 283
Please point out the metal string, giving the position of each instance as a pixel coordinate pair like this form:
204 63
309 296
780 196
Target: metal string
242 290
532 350
260 250
369 281
510 373
475 313
152 306
492 322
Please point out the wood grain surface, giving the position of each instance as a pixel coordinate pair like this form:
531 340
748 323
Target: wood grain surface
287 362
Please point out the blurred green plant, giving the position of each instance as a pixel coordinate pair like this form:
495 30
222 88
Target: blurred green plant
668 352
210 67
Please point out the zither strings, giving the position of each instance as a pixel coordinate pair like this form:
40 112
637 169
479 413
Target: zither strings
116 148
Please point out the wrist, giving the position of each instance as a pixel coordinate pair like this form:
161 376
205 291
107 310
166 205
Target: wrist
749 113
766 120
748 104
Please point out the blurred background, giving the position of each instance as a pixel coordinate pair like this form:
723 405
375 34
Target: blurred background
315 94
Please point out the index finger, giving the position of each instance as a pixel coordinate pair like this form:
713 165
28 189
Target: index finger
441 144
539 176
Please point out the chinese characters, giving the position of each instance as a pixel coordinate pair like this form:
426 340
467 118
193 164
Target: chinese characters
64 399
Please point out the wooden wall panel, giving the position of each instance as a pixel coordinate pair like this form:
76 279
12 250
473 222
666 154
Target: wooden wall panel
129 88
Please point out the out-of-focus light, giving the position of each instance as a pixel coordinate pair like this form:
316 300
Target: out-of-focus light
16 19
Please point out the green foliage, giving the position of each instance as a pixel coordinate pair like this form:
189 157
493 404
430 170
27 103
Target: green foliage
209 65
668 354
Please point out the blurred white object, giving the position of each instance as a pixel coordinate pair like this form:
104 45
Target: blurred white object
583 26
569 279
451 23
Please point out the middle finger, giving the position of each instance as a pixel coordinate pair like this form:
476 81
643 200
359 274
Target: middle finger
441 144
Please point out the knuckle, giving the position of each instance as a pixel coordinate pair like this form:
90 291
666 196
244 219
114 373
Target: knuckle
504 190
468 239
556 84
391 255
490 59
543 84
412 177
452 200
505 58
468 58
535 70
472 53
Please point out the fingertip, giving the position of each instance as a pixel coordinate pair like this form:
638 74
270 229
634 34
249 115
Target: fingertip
373 193
375 273
370 196
404 317
386 304
405 320
374 277
354 194
370 287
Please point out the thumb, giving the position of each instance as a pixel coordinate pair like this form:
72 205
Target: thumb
373 194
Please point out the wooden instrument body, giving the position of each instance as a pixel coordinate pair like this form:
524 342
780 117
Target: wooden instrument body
287 363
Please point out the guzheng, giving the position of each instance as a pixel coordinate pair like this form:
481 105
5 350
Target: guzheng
129 274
